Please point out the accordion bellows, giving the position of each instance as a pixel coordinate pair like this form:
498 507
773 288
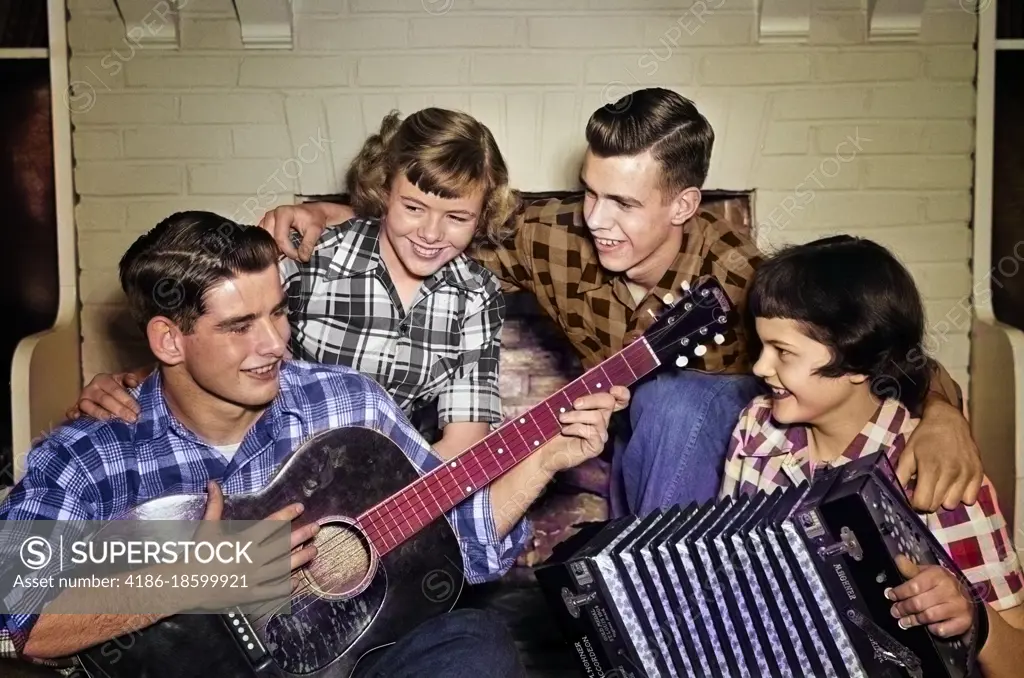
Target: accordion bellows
786 584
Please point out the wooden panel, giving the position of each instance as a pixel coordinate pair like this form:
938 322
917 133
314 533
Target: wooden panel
1009 18
1007 274
22 23
28 281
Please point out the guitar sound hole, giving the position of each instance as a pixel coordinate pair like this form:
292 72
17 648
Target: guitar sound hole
342 563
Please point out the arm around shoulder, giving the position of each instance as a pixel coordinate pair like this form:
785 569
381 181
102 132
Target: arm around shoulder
309 220
941 452
511 260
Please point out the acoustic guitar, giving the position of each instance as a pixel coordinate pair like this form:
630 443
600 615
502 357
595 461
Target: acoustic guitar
385 563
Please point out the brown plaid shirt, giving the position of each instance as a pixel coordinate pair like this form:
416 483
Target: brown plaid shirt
552 256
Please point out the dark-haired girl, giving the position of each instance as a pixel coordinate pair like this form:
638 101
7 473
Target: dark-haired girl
841 325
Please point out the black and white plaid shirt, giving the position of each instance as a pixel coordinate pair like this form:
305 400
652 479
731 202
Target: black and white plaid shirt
344 309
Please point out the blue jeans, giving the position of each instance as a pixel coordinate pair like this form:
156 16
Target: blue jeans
458 644
673 448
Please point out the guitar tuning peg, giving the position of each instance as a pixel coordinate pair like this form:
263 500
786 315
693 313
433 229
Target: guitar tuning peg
685 286
668 298
682 361
653 314
701 349
719 339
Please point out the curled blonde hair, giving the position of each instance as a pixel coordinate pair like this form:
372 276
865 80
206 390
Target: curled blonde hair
443 152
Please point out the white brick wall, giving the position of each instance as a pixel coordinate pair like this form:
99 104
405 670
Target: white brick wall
835 135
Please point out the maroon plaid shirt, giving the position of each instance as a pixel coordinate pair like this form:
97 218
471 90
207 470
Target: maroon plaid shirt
764 456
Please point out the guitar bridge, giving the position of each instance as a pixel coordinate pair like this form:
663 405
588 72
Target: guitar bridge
250 644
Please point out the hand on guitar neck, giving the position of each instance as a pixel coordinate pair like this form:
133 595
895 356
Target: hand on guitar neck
585 428
584 435
57 635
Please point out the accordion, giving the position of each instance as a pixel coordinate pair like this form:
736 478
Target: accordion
784 584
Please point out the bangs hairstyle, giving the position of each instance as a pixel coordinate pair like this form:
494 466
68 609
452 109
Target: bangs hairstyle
447 153
660 121
856 298
169 270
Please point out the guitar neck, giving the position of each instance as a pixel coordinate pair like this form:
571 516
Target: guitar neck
406 512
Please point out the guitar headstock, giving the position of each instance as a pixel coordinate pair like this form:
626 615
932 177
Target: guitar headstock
686 328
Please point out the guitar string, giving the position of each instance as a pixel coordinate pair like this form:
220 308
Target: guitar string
396 507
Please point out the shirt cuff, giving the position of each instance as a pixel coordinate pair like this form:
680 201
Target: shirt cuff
469 402
14 630
487 560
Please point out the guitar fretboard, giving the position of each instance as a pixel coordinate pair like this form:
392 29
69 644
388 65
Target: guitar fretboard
402 515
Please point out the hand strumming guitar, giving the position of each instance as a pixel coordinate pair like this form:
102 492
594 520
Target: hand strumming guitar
262 585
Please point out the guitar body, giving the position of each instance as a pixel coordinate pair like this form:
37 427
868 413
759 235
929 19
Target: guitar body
363 602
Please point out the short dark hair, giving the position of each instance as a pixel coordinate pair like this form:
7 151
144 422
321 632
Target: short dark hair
169 270
856 298
663 122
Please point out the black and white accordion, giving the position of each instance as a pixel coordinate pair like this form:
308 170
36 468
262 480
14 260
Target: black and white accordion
783 584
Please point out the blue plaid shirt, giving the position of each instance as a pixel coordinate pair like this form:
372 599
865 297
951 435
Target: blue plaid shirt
93 470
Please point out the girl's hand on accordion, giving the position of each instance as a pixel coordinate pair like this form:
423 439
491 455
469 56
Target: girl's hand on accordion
932 596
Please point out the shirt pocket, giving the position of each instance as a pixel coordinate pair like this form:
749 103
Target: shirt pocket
442 371
581 341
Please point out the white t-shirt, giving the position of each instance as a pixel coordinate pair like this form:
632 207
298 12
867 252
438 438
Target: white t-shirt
228 450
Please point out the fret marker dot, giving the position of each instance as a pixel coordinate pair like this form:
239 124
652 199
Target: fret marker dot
561 409
599 384
536 443
522 420
453 464
501 450
468 488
